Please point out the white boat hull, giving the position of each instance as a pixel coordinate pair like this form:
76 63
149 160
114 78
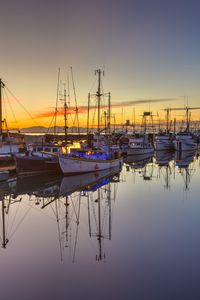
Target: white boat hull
71 165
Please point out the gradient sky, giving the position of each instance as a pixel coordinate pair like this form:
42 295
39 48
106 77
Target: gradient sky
149 50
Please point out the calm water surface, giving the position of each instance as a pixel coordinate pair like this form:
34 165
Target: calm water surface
134 235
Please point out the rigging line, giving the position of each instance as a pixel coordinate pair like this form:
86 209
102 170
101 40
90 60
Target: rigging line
10 107
50 124
68 90
71 118
22 106
16 211
58 227
5 110
72 213
57 96
74 208
77 228
94 115
75 99
94 83
93 210
21 221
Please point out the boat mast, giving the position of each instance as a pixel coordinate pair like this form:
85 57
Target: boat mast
109 113
2 85
65 114
56 108
99 234
187 120
98 94
167 120
88 117
5 240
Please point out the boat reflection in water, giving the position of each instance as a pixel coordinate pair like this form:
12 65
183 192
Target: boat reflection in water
164 157
96 189
80 182
64 197
38 185
138 161
184 160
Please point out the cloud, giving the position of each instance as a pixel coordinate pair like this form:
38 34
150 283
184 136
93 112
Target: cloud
83 109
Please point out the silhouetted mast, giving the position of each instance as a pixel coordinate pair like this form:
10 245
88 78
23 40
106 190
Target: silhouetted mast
56 109
1 121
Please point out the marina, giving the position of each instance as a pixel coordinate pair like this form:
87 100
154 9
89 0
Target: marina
99 150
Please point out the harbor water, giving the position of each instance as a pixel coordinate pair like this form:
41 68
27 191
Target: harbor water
132 233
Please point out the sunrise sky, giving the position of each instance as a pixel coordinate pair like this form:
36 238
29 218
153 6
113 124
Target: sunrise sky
150 50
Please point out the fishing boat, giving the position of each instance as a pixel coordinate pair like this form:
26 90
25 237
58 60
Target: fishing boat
91 160
184 140
38 159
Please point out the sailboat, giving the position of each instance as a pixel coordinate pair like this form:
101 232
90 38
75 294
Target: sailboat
91 160
10 143
42 158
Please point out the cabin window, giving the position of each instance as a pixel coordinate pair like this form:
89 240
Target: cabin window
47 149
55 150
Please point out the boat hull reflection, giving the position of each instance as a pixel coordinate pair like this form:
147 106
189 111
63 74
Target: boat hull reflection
86 181
184 159
164 157
138 161
40 183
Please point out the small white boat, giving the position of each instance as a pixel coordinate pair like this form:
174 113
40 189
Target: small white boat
139 146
